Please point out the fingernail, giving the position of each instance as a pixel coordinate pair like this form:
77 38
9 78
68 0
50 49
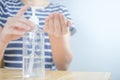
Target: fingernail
31 24
44 28
51 15
62 14
55 12
47 19
69 24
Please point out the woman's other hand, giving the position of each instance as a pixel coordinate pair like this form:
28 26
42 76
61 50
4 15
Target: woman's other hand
57 25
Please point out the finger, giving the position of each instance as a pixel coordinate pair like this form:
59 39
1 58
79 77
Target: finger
57 24
18 32
63 24
18 21
46 28
22 10
21 26
51 25
26 21
69 23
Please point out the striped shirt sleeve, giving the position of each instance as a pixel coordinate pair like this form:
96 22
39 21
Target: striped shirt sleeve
3 16
67 15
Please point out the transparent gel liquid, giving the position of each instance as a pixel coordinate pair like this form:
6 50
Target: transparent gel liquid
38 68
33 54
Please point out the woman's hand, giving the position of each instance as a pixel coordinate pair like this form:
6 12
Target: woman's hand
57 25
16 26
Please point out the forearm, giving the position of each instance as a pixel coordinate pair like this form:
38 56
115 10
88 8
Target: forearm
62 55
2 48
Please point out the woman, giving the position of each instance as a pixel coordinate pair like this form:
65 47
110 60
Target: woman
14 23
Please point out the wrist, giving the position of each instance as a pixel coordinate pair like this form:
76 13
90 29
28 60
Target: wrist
54 38
60 41
61 37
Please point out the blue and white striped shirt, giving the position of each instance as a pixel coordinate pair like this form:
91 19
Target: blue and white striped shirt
13 52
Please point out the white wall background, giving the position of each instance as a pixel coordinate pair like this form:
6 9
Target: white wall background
96 45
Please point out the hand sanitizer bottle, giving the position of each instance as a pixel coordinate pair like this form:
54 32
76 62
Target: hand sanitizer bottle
33 50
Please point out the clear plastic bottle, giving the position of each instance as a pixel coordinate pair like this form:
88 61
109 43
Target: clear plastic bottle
33 50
